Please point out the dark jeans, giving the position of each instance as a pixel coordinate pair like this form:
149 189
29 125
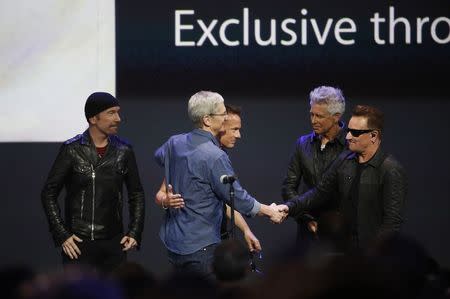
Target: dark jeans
102 255
199 262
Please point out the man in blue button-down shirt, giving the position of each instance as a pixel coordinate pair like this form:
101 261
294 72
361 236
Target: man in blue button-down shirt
227 138
194 163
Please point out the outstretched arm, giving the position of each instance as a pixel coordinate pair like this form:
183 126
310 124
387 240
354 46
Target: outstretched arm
274 212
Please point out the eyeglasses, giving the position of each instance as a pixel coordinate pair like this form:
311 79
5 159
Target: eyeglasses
217 114
357 133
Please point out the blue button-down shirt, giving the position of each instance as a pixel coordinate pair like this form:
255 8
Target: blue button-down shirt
193 164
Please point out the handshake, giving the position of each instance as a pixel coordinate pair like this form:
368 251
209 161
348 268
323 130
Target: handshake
276 213
167 199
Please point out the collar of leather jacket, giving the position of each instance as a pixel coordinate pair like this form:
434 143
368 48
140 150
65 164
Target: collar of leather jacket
375 161
340 136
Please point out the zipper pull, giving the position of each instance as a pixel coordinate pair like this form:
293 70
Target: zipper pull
93 172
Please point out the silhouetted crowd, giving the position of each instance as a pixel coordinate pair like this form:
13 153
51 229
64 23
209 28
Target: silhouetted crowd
394 266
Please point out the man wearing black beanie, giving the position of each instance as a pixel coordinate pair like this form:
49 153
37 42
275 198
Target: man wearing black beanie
93 166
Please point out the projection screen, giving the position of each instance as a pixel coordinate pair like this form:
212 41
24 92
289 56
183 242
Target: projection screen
53 54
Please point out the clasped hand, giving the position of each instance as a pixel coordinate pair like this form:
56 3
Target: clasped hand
278 213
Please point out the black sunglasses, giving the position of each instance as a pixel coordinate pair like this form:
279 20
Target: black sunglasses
357 133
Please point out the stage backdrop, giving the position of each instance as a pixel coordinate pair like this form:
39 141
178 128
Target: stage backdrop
283 47
52 53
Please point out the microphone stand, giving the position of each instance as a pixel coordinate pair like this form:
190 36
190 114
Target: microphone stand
232 235
232 210
232 229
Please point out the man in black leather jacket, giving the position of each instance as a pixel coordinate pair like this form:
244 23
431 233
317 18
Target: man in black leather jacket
314 153
93 167
371 184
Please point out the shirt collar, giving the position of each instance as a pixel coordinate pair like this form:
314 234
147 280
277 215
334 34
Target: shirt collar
340 137
87 140
207 135
375 161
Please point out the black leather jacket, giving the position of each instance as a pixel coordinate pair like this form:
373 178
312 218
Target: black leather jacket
93 202
381 194
307 165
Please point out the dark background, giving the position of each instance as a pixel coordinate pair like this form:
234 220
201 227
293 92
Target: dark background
155 80
153 65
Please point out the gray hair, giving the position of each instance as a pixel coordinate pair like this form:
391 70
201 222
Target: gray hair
203 103
330 96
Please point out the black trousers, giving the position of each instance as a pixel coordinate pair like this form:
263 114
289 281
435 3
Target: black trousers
304 238
102 255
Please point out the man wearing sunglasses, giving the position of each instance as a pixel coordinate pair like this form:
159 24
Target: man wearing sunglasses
371 184
314 153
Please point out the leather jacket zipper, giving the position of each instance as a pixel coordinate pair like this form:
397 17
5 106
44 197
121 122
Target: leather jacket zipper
82 203
93 201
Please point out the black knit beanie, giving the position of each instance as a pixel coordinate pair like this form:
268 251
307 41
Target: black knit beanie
98 102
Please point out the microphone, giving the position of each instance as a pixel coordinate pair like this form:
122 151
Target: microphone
228 179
